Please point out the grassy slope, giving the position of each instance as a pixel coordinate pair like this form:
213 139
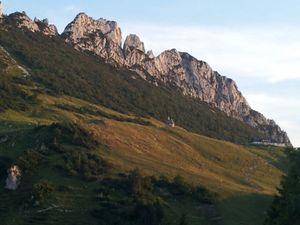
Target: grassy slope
243 177
10 66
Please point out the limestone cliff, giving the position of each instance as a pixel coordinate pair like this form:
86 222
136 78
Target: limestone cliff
191 76
99 36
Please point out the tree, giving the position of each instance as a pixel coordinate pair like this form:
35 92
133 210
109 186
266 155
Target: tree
286 206
183 220
149 213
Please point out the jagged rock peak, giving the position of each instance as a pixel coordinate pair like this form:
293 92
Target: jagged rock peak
21 20
132 41
170 55
1 9
45 27
83 25
168 59
150 54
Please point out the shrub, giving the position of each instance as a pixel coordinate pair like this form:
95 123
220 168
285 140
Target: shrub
42 192
139 185
29 160
89 166
148 214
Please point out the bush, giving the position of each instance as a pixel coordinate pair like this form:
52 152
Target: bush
139 185
29 160
89 166
42 192
179 188
148 214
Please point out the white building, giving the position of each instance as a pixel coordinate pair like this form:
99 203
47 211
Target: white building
170 122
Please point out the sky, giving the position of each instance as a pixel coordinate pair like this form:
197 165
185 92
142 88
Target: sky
256 43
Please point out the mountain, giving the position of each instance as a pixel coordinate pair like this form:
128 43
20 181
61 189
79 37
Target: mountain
92 146
78 159
179 70
192 77
57 68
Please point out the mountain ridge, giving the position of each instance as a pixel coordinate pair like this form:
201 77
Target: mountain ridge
180 70
193 77
90 134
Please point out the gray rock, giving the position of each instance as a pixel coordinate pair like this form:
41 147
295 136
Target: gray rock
132 42
23 21
46 28
101 37
150 54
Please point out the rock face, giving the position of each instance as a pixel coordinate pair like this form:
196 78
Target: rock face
1 9
22 21
192 77
45 27
133 42
100 36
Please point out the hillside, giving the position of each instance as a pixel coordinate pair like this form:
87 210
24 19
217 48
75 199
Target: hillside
92 146
234 174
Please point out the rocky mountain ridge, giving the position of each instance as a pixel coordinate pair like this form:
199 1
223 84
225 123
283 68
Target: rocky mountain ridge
191 76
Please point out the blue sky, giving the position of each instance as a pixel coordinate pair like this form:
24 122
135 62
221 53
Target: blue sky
257 43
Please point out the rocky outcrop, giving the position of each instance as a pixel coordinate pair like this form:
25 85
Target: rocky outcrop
133 42
1 9
22 21
192 77
134 50
101 37
45 27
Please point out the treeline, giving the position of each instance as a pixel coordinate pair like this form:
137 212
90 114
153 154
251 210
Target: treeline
60 69
285 209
